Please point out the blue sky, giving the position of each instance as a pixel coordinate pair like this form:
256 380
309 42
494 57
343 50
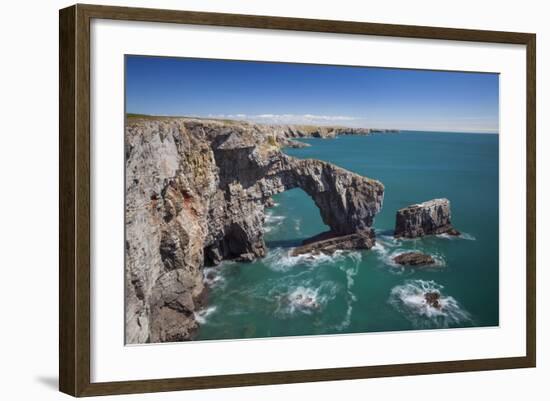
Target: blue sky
283 93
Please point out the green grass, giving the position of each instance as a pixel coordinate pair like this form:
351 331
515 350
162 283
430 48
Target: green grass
137 116
151 117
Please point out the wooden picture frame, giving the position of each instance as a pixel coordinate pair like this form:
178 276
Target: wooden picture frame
74 199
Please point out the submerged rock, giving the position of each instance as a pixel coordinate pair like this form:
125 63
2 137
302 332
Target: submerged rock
427 218
414 259
433 299
269 203
304 301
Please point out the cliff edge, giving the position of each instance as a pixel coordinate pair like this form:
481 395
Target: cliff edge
196 191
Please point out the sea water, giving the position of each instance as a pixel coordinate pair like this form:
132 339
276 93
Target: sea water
365 291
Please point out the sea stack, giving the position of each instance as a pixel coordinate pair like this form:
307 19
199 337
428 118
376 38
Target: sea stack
428 218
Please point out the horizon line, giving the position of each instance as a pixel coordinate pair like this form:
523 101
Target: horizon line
327 123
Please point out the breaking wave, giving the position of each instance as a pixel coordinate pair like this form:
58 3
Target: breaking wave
388 248
466 236
279 259
202 315
297 225
212 276
272 221
410 300
305 300
391 240
305 292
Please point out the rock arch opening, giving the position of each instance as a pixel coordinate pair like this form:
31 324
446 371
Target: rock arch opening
292 218
251 174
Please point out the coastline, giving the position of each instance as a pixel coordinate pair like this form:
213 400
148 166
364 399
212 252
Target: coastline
196 195
263 144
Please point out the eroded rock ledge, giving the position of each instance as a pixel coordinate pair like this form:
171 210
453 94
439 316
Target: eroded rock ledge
196 192
330 243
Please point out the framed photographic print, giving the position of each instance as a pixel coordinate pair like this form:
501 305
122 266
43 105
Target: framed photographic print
251 200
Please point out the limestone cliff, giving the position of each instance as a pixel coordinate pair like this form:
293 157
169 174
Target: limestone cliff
195 195
427 218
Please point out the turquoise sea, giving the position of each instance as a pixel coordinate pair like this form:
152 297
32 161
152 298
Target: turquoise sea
363 291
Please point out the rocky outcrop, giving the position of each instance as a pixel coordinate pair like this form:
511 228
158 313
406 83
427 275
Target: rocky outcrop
414 259
433 299
285 135
312 131
330 244
196 192
428 218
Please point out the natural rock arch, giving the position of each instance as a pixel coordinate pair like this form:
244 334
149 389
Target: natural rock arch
196 192
346 201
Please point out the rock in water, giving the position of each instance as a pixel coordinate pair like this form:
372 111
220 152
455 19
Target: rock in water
432 299
414 259
330 243
428 218
196 193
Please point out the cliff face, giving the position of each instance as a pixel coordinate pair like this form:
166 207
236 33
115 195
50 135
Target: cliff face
285 134
304 131
195 194
427 218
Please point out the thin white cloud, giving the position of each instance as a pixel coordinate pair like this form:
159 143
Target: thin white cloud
456 124
287 118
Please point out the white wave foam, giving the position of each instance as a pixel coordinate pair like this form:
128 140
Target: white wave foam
305 299
385 255
272 218
212 276
347 318
355 256
387 251
272 221
410 299
466 236
297 225
302 291
391 240
350 272
202 315
279 259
